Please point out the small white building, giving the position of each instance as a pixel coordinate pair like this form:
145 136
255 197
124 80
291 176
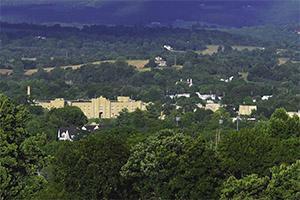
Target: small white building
168 47
207 96
291 114
227 80
90 127
160 61
67 133
188 81
266 97
70 133
186 95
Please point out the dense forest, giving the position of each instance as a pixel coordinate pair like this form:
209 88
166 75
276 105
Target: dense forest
256 72
139 156
173 150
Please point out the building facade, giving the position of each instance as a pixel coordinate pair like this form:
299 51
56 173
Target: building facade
98 107
56 103
291 114
246 109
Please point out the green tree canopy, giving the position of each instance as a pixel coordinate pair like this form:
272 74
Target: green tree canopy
21 157
89 169
283 126
67 116
171 165
284 183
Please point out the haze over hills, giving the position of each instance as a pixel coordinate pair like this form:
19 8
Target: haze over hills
224 13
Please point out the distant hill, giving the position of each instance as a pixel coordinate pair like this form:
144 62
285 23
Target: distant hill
225 13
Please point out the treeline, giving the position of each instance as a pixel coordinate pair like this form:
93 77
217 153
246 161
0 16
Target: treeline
138 156
56 45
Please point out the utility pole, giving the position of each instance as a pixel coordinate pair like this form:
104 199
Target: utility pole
175 60
238 118
67 54
177 119
218 134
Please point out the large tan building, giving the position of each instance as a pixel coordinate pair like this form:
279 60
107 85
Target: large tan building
98 107
56 103
246 109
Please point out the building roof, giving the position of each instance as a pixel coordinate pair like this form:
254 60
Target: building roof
90 127
72 130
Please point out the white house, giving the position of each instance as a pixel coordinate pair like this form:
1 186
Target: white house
266 97
207 96
160 61
186 95
67 133
168 47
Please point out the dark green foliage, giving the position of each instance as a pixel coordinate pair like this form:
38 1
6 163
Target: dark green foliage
283 183
173 166
21 156
67 116
283 126
89 169
250 151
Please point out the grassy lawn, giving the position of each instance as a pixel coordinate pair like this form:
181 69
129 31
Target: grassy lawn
210 49
282 60
244 75
139 64
241 48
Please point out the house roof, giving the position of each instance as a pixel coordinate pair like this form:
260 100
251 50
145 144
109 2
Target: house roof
72 130
91 127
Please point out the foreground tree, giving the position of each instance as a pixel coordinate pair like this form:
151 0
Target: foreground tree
67 116
283 126
255 151
173 166
282 184
88 169
21 157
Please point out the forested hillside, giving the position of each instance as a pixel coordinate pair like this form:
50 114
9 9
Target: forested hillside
136 100
254 61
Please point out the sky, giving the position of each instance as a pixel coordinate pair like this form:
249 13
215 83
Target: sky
224 12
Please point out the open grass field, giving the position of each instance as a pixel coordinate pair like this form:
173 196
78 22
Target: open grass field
250 48
282 60
244 75
139 64
6 71
210 49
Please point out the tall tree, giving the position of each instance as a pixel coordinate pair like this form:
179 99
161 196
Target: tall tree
89 169
173 166
21 157
282 184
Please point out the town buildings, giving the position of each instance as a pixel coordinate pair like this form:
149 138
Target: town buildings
72 133
100 107
291 114
246 109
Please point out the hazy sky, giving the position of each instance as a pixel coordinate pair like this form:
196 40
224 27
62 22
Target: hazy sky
93 1
145 11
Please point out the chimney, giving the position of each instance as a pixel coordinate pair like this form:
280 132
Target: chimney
28 91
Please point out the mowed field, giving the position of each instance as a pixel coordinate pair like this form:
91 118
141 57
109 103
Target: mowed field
250 48
211 49
6 71
139 64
